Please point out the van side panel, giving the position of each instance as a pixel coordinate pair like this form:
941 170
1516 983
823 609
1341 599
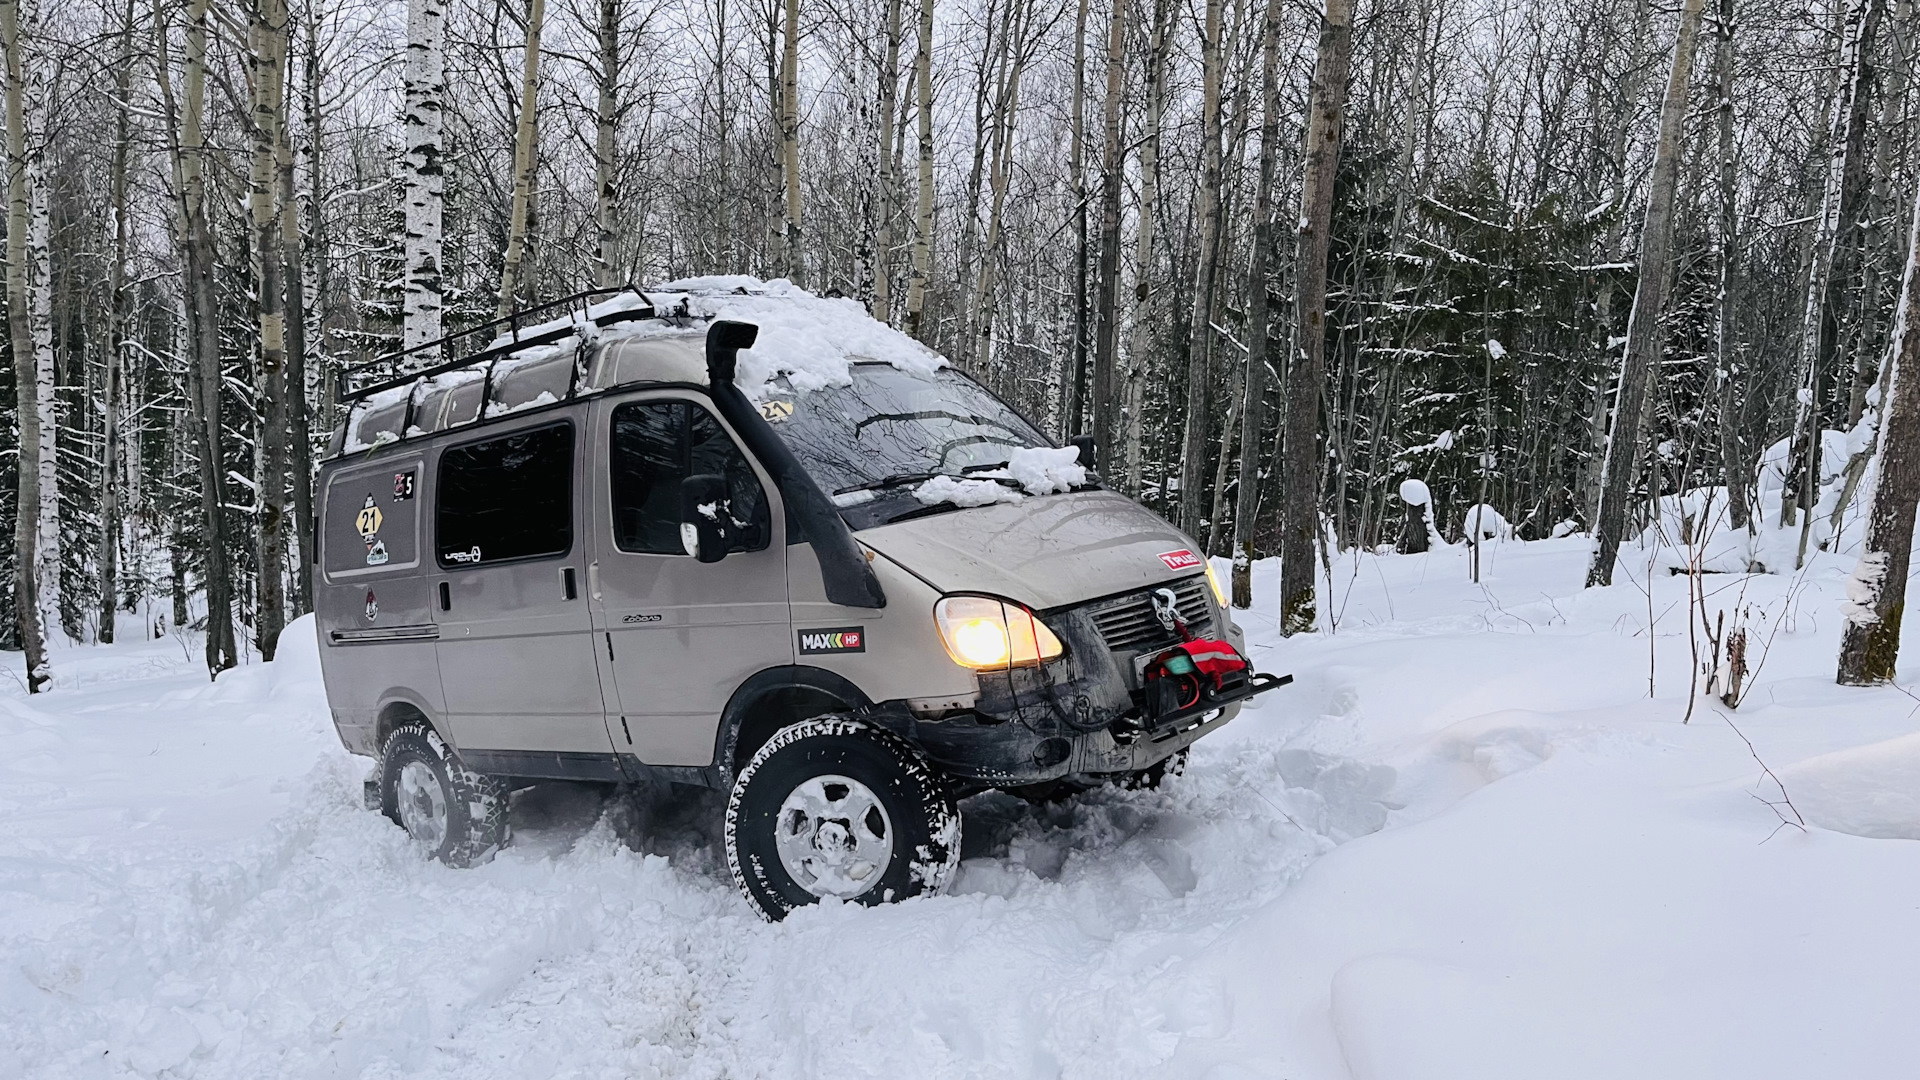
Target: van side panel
372 599
899 653
515 647
681 636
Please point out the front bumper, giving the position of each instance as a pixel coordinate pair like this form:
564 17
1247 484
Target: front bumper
1076 715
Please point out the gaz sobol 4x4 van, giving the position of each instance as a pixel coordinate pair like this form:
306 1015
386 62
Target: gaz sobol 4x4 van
735 535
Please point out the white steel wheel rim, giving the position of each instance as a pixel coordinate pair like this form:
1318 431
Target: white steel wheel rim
834 836
423 804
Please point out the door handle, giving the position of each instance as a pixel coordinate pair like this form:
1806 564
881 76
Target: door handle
446 597
567 588
593 580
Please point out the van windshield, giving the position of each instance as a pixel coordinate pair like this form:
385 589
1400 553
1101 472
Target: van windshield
872 444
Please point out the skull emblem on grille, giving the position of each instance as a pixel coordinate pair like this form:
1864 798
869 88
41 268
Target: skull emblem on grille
1166 608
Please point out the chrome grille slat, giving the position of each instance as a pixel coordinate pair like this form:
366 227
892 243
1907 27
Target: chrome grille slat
1128 623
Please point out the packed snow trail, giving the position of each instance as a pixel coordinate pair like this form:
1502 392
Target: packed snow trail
1569 882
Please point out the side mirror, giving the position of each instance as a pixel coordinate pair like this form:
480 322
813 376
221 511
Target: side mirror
704 521
1084 444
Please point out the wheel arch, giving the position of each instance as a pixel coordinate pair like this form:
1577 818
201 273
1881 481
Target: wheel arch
398 707
770 700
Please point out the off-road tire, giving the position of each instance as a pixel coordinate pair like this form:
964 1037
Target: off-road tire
925 821
476 803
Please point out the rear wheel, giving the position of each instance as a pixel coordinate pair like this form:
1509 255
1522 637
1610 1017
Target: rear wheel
832 807
454 814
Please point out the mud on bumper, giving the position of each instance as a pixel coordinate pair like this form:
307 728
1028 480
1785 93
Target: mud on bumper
1032 725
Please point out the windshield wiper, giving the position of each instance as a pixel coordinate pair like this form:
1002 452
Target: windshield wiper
985 468
899 479
892 480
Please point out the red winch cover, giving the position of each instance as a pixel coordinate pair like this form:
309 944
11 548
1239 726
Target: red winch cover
1213 658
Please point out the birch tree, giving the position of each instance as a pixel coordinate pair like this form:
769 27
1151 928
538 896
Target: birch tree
187 150
46 455
1656 246
523 160
885 185
1018 40
790 135
267 46
1843 157
1259 278
292 405
26 601
422 173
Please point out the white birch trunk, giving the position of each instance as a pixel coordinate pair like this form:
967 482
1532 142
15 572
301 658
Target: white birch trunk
1802 482
40 319
523 160
421 170
790 136
20 337
606 147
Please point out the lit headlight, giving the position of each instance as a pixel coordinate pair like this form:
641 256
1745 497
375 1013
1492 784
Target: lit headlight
991 635
1213 579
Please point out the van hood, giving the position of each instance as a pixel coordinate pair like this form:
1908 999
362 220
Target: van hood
1045 552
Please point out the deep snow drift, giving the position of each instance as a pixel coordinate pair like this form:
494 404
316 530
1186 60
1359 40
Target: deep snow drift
1466 844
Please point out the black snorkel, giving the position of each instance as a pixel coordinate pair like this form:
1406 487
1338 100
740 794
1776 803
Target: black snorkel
849 580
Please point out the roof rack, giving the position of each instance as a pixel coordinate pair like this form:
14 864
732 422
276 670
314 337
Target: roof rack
517 339
541 324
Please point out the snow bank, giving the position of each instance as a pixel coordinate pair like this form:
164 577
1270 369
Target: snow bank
1869 791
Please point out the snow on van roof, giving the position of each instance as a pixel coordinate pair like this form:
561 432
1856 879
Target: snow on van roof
812 340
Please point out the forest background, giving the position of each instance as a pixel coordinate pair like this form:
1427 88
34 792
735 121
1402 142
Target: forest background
1555 257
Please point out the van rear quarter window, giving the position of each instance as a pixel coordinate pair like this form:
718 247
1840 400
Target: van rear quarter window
371 520
505 498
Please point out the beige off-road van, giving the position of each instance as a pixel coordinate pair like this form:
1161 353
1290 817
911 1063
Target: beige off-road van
735 535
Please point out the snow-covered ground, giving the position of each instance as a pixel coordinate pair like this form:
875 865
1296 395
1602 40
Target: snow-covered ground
1467 843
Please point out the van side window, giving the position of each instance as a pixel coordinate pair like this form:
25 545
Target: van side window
657 444
506 498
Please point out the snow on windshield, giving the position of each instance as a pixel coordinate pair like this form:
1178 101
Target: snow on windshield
1038 470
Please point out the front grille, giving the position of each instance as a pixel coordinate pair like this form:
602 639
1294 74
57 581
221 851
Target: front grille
1128 623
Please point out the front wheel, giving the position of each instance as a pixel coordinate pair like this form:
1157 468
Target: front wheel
832 807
